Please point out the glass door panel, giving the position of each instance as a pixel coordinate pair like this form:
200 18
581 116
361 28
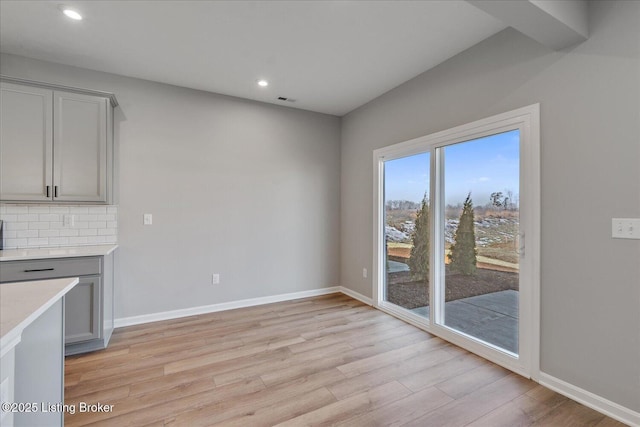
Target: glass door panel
480 216
406 232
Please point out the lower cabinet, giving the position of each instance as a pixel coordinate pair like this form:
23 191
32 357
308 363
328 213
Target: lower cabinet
88 306
83 309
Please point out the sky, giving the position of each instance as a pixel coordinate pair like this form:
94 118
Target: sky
481 166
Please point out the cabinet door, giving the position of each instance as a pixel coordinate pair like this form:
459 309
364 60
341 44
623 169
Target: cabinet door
25 143
83 310
80 148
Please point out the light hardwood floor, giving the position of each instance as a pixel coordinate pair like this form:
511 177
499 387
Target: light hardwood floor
327 360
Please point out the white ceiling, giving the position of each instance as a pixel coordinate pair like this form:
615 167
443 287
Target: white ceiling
329 56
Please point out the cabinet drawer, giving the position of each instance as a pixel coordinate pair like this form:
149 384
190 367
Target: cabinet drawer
16 271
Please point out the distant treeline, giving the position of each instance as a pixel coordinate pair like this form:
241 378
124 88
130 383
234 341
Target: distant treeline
402 205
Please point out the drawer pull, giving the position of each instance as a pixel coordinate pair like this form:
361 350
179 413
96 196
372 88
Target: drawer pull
39 269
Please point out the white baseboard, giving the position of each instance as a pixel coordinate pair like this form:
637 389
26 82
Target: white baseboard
204 309
600 404
355 295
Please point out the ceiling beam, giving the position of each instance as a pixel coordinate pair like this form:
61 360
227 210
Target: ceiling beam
554 23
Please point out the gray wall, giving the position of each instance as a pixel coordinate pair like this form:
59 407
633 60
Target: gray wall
590 137
240 188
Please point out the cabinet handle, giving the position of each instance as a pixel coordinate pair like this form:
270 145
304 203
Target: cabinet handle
39 269
48 188
55 191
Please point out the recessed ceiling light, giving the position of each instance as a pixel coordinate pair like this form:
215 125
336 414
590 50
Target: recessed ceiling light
70 13
263 83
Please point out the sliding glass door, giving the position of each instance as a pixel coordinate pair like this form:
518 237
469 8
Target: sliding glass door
480 225
451 216
406 232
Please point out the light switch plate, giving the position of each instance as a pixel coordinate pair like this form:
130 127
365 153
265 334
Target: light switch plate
625 228
147 219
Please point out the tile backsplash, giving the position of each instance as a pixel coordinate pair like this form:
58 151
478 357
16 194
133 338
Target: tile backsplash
42 226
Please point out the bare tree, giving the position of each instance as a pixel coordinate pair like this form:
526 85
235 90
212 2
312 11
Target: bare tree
497 199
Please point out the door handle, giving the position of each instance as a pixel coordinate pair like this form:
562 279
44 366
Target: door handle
39 269
48 190
55 191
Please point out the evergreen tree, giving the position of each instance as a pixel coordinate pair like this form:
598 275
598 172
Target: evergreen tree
463 251
419 258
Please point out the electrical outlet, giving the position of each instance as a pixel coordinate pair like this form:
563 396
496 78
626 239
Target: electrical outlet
365 273
625 228
69 221
215 279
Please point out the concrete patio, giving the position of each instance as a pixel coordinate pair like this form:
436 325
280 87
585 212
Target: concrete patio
492 318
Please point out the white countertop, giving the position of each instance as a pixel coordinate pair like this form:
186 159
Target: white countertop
60 252
23 302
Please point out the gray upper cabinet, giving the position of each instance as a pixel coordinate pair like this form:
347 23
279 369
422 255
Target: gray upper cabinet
26 143
56 143
80 148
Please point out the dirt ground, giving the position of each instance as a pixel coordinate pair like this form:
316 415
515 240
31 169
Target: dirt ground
399 252
410 294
